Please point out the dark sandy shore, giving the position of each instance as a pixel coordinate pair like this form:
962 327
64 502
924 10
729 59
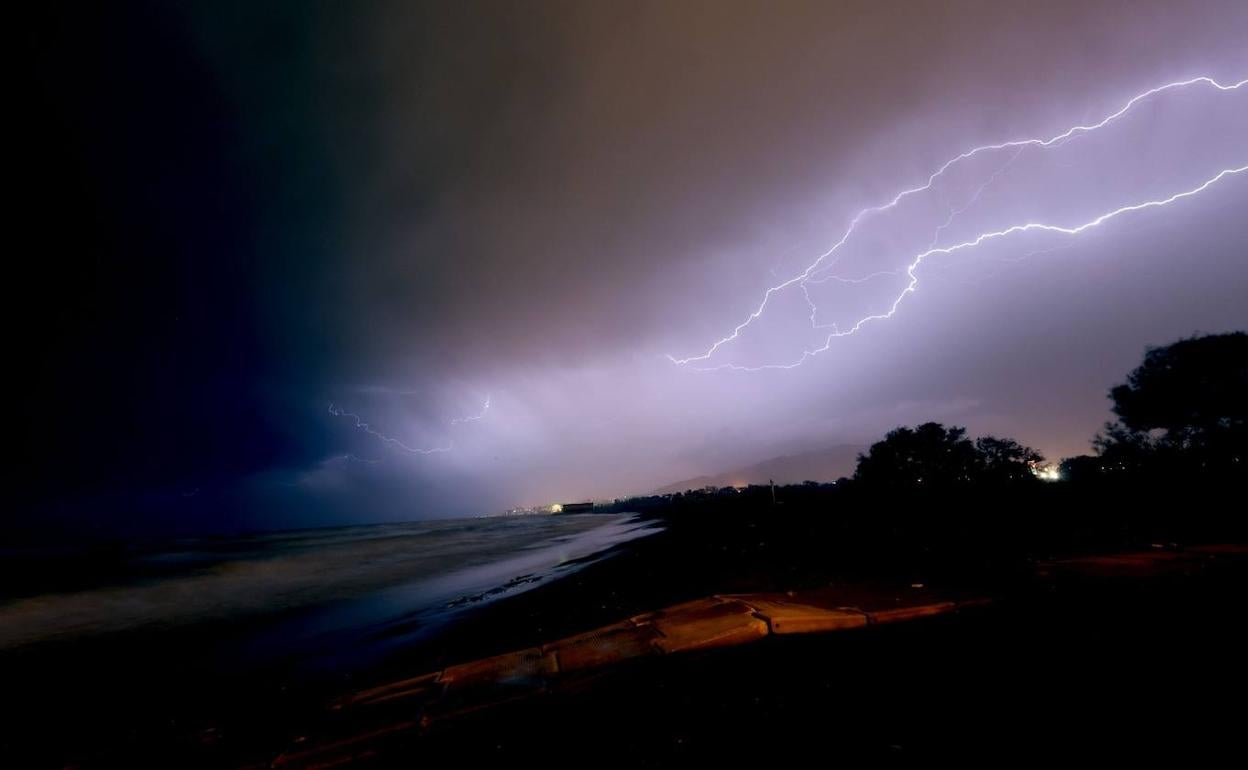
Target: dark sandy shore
1112 658
1118 657
1094 661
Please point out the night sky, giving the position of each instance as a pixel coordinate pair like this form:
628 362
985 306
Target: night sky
232 215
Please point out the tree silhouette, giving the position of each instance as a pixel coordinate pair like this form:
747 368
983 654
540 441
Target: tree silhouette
1186 404
934 456
1005 461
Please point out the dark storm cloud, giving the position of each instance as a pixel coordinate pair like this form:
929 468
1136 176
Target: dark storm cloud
404 208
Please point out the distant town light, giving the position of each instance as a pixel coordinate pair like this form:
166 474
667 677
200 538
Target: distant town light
1048 473
556 508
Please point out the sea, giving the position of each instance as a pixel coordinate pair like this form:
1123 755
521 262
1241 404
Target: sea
306 594
109 643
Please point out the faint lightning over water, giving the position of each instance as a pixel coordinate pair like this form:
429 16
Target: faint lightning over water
388 440
474 417
817 271
396 443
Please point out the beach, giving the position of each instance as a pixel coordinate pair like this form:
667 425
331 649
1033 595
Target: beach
179 637
1118 656
1019 648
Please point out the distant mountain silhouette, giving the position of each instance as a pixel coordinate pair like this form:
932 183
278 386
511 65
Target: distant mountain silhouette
819 465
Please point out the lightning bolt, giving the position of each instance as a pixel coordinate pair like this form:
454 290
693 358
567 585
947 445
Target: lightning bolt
397 444
392 442
825 260
918 260
474 417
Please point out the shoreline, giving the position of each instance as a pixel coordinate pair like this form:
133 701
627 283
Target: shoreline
594 687
691 557
191 692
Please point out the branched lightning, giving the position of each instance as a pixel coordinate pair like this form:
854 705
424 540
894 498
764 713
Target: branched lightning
983 237
817 271
851 281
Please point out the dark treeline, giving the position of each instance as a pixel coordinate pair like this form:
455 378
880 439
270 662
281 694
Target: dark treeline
932 503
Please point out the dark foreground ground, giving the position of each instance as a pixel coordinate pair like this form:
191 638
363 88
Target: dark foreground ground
1145 664
1067 663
